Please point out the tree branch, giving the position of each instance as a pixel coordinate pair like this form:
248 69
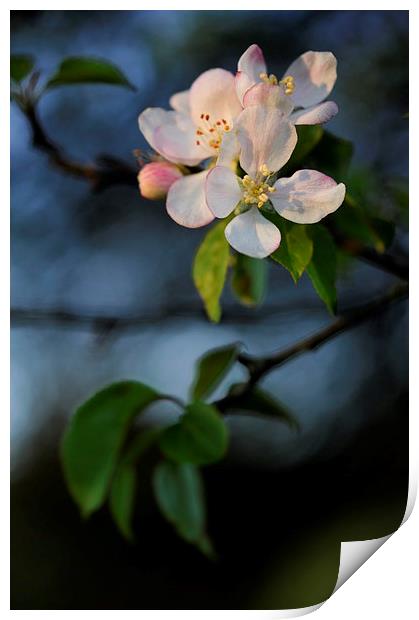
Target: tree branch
258 367
106 172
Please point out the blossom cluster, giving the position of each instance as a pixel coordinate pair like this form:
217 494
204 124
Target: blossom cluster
226 125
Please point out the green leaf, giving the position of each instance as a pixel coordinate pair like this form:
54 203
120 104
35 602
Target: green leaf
309 137
122 493
296 247
200 437
210 269
84 70
211 369
261 402
322 268
20 66
121 499
180 496
94 438
332 156
249 279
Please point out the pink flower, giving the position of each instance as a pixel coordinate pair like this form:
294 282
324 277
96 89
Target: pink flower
198 128
299 94
155 179
267 141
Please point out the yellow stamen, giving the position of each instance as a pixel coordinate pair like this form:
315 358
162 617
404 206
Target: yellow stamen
289 84
257 193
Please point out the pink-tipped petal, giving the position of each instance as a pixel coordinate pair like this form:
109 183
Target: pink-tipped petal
252 234
315 115
252 62
314 76
186 202
213 94
307 197
180 102
269 95
222 191
265 138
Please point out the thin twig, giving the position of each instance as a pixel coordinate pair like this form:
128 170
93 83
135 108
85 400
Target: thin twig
109 171
258 367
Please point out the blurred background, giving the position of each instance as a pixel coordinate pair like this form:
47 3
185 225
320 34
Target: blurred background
282 502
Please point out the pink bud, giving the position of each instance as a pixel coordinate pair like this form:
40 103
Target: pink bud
156 178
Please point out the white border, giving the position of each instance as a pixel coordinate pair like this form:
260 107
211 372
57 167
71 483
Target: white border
386 586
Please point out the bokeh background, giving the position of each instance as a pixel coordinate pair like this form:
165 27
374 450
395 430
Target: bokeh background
283 501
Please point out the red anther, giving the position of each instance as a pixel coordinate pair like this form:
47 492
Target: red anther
207 117
198 142
218 122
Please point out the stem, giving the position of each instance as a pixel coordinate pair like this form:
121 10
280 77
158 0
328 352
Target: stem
113 172
258 367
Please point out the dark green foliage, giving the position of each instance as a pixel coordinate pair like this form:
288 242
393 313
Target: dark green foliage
83 70
211 369
94 438
200 437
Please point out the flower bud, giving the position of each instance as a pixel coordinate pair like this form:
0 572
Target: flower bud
156 178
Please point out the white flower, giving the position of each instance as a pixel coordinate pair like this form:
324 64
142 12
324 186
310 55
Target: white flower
196 129
267 141
299 94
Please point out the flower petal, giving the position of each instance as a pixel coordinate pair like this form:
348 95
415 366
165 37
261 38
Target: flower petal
251 64
252 234
307 196
186 202
228 153
151 119
270 95
243 83
316 114
222 191
314 76
265 137
180 102
176 141
214 93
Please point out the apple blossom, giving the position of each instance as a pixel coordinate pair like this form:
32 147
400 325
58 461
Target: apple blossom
299 94
156 178
195 130
267 140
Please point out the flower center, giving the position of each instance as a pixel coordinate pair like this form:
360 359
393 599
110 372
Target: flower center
210 133
257 193
287 82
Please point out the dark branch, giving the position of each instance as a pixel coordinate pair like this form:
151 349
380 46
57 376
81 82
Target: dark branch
258 367
106 172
